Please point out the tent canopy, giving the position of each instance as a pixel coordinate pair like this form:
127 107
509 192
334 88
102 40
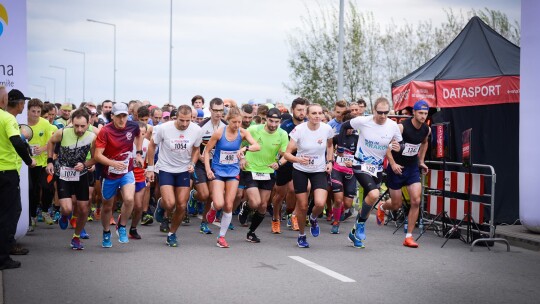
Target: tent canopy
478 67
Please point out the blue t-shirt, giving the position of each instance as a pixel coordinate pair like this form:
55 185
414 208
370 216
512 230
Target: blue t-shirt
336 126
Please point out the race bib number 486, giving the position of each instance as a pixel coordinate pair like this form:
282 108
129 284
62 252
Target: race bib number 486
228 157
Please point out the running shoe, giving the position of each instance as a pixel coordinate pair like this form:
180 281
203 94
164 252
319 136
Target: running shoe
380 216
84 235
90 218
192 203
204 228
47 218
172 241
73 222
133 234
39 215
409 242
107 243
76 244
302 242
211 215
346 215
360 231
231 226
63 222
276 227
159 214
335 228
111 221
147 220
329 215
222 243
314 229
294 221
289 221
97 214
252 237
164 227
186 219
57 216
122 235
356 242
243 214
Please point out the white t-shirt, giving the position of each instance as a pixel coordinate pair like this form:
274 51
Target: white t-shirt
176 146
373 140
311 144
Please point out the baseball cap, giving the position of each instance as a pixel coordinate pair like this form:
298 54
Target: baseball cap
273 113
200 113
119 108
66 106
166 114
421 105
16 95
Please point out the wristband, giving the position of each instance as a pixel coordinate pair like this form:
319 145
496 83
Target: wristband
329 161
140 152
247 148
150 168
50 160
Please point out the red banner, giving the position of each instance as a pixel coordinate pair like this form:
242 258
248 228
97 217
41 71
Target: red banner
440 141
406 95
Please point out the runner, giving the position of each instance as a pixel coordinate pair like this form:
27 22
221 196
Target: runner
343 181
71 171
376 133
258 177
313 162
225 169
179 141
114 146
284 189
403 168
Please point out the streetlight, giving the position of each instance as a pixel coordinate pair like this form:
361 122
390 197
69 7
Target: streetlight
54 86
114 67
65 79
84 70
170 58
43 87
340 50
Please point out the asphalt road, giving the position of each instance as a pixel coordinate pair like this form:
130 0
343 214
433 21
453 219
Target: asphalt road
147 271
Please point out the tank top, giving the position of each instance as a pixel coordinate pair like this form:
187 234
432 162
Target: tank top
225 160
73 150
412 139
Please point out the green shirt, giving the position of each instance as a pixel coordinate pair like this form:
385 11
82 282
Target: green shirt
9 159
42 131
271 145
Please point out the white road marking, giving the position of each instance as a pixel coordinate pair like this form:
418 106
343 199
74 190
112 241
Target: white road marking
323 269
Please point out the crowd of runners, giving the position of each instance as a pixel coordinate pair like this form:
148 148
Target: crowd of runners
171 164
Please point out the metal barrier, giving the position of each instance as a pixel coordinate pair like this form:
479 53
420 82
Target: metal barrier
455 192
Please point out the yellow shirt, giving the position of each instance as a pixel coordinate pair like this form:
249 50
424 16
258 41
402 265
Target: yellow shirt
43 131
9 159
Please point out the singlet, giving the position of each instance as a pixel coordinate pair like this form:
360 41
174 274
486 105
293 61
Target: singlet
73 150
225 159
311 144
347 143
373 141
208 129
412 138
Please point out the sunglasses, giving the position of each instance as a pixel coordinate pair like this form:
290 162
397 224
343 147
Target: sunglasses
383 112
217 110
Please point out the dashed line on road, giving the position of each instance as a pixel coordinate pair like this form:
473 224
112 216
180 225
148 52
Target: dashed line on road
323 269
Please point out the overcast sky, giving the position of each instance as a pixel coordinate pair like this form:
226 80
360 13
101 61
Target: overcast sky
233 48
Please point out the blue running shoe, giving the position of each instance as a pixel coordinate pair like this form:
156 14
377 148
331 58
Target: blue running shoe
84 235
76 244
122 235
159 214
302 242
360 231
172 241
204 228
315 229
107 243
335 228
39 215
192 203
63 222
356 242
57 216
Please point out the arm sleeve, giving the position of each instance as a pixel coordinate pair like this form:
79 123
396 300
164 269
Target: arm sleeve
22 149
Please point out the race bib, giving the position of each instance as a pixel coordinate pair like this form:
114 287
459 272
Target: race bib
411 150
69 174
313 160
177 145
342 159
34 149
228 157
369 168
112 170
260 176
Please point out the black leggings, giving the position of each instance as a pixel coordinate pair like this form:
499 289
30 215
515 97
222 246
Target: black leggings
39 187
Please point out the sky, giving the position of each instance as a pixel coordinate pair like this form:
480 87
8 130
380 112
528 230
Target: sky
230 49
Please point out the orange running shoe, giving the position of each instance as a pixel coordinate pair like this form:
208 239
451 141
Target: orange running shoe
112 222
409 242
97 214
276 227
73 222
380 216
222 243
294 221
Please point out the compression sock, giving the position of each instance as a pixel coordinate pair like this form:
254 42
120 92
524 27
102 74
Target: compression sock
337 214
364 212
256 221
225 221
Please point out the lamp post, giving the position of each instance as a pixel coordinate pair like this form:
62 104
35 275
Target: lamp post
340 50
65 79
84 70
54 86
43 87
114 63
170 56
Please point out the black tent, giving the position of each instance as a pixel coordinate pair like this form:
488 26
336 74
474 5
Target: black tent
475 82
